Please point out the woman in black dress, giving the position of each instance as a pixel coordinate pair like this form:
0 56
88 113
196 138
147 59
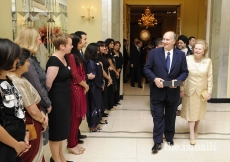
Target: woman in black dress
108 80
58 82
96 85
113 72
119 62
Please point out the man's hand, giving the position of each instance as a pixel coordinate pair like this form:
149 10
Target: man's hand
131 65
158 82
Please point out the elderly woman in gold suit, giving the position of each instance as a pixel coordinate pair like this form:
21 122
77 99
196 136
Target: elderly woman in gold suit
197 88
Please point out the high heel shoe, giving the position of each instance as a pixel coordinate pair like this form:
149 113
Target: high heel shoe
196 134
192 142
93 129
74 152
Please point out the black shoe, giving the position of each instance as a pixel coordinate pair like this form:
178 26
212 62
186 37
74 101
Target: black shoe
82 136
140 86
52 160
170 143
104 115
132 85
156 147
80 141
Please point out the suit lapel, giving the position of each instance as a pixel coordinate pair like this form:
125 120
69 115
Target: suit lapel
162 57
174 60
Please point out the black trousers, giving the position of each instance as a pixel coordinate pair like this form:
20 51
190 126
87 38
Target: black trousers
136 69
164 116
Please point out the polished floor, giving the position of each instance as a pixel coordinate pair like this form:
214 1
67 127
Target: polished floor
128 135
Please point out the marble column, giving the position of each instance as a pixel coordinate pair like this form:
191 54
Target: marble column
219 46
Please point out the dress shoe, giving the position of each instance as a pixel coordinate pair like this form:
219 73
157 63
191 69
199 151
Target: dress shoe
52 160
132 85
170 143
140 86
156 147
80 141
82 136
192 142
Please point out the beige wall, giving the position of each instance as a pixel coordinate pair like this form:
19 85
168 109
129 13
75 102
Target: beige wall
75 23
5 19
193 14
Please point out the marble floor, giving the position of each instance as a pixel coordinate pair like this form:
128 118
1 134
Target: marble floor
128 135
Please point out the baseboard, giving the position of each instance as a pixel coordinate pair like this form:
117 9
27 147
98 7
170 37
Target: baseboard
219 100
121 97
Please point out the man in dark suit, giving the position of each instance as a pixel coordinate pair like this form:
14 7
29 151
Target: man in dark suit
136 63
165 63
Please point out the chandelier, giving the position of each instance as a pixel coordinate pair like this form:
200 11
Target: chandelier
147 20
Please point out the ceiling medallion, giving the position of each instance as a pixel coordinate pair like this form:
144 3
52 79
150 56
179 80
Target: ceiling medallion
147 19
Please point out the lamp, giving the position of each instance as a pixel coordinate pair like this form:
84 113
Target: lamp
147 19
90 15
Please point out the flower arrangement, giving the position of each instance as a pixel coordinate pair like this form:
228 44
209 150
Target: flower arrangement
52 31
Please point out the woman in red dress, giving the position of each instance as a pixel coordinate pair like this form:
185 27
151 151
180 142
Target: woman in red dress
78 87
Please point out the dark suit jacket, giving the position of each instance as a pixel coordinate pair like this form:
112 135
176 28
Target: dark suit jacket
155 67
135 57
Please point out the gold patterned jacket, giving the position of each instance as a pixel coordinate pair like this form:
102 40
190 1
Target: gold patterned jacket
200 76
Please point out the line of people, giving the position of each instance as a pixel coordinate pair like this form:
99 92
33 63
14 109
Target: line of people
74 87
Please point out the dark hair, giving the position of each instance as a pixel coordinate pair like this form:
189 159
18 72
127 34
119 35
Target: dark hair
23 57
108 41
9 52
191 38
158 41
184 39
91 52
75 51
124 40
117 42
100 43
80 33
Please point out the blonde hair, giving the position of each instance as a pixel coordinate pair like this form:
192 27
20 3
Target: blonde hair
59 39
27 39
204 43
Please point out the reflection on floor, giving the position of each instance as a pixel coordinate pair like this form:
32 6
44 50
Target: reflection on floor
128 136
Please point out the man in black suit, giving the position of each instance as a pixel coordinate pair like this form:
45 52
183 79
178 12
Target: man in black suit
136 63
126 60
165 63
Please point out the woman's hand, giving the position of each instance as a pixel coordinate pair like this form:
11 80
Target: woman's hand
21 147
45 123
182 94
86 88
49 109
91 76
26 139
110 80
208 96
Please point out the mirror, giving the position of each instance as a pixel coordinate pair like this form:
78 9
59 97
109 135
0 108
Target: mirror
49 17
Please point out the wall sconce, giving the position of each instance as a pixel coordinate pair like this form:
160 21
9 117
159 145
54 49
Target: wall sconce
90 14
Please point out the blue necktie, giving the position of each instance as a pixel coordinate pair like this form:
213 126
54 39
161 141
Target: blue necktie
168 62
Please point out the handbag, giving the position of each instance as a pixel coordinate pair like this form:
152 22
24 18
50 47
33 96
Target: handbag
203 95
30 127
